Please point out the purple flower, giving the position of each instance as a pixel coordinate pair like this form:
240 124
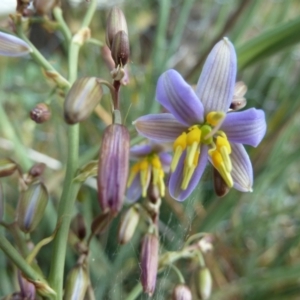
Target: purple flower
200 127
152 162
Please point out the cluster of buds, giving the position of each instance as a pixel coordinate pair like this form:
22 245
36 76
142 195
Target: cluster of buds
117 41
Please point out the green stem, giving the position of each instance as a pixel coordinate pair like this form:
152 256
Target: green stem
135 292
58 15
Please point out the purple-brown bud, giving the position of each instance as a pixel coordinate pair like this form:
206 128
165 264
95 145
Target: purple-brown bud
120 48
182 292
128 224
41 113
113 168
31 206
115 22
77 283
27 288
149 263
44 6
7 167
78 226
220 186
81 100
37 170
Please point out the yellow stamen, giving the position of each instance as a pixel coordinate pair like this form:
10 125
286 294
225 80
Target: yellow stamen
161 183
215 117
224 148
133 172
178 147
193 140
188 171
144 176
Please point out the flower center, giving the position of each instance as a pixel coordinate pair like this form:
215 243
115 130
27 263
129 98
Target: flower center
204 134
147 167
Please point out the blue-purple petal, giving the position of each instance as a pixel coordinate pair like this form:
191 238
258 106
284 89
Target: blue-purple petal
139 151
215 87
245 127
159 127
176 178
165 159
242 171
134 192
179 98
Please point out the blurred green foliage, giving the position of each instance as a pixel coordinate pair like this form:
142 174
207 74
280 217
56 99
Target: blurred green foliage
256 241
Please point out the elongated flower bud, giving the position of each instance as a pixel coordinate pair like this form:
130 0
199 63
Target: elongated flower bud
149 262
182 292
120 48
7 167
12 46
220 186
77 283
41 113
113 168
78 226
128 225
115 22
27 288
204 283
31 206
81 100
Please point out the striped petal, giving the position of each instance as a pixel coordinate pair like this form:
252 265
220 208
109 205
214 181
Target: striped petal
179 98
139 151
245 127
134 192
242 171
176 178
159 127
166 160
12 46
215 87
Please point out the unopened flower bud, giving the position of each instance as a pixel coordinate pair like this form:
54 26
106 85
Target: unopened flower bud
37 170
182 292
128 224
120 48
113 168
81 100
238 101
31 206
101 222
78 226
204 283
115 22
220 186
149 262
12 46
27 288
44 6
41 113
7 167
77 283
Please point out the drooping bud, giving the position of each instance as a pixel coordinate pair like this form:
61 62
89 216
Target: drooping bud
77 283
78 226
27 288
149 262
41 113
204 283
113 168
120 48
101 223
115 22
181 292
31 206
81 100
12 46
7 167
128 224
44 6
220 186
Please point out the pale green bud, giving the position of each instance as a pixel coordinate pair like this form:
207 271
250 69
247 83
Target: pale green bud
76 284
12 46
204 283
31 206
81 100
128 224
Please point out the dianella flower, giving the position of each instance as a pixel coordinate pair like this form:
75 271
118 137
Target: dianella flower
11 45
200 127
152 162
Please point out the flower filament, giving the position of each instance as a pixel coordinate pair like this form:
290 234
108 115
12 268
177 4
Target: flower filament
206 134
148 168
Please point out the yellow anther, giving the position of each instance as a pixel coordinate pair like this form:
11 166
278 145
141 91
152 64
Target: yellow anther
178 146
223 142
133 172
224 148
215 117
144 176
193 142
219 163
188 171
161 183
156 162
